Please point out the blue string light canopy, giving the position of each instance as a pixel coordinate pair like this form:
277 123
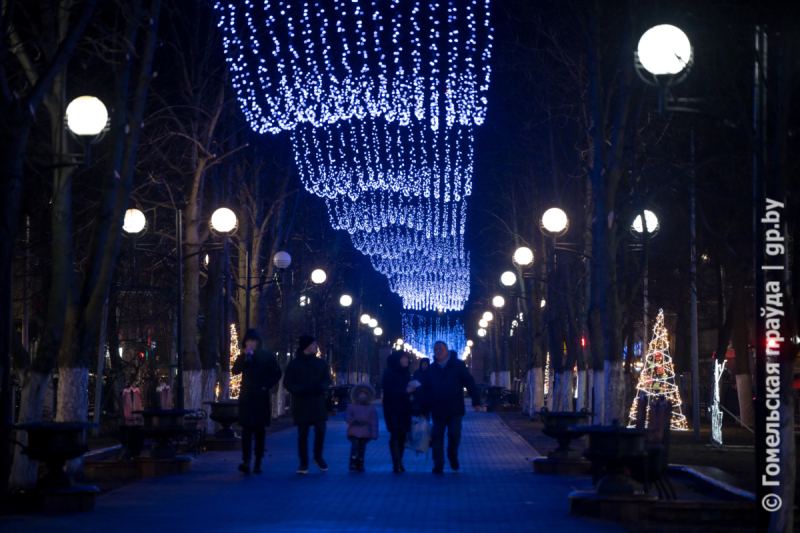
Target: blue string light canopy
318 63
422 332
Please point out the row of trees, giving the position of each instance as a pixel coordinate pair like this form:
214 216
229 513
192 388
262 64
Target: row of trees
584 134
175 141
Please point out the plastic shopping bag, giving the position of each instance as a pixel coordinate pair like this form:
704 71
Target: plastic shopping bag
419 439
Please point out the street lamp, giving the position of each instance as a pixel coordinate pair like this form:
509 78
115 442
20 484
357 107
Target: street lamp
282 260
523 256
319 276
223 220
87 116
664 50
508 279
544 302
554 222
378 332
346 300
373 323
134 222
482 332
365 318
498 301
652 224
483 323
399 342
470 343
488 316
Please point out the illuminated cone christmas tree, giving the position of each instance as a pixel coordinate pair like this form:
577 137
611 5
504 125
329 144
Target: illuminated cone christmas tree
236 381
658 377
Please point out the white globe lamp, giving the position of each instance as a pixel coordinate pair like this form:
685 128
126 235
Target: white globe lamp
488 316
650 219
481 332
365 318
373 323
498 301
483 323
508 279
134 221
346 300
223 220
523 256
664 50
378 332
282 260
554 222
319 276
86 116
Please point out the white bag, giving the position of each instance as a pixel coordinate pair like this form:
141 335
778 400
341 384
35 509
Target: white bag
419 439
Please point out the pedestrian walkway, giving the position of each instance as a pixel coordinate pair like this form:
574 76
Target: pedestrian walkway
495 490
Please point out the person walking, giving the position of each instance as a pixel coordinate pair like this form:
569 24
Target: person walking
419 376
307 378
443 398
362 423
397 406
260 372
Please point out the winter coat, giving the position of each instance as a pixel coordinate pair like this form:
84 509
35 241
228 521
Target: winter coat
259 375
443 389
416 397
362 418
307 378
397 407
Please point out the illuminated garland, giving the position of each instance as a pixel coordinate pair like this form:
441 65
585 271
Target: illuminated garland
236 381
422 332
658 377
299 62
716 412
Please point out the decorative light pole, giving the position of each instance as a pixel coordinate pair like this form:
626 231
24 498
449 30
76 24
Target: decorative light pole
645 232
87 120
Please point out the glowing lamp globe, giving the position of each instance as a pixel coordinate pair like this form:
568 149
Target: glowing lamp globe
469 343
133 222
346 300
223 220
378 332
542 304
373 323
652 223
86 115
399 342
555 221
365 318
319 276
498 301
481 332
523 256
508 279
483 323
664 50
282 260
488 316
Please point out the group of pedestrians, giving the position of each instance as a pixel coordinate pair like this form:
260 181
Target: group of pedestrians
435 391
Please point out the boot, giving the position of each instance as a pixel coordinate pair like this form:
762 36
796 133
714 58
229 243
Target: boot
361 449
401 449
394 449
245 467
257 466
353 464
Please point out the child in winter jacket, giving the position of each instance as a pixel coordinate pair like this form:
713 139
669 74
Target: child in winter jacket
362 421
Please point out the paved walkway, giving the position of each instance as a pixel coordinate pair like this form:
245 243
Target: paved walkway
495 490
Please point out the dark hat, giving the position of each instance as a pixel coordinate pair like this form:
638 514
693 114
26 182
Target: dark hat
251 334
425 360
305 341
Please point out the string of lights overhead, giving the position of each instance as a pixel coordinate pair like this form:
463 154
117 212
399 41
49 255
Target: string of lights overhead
380 98
422 332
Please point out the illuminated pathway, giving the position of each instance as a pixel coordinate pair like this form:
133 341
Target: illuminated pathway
495 490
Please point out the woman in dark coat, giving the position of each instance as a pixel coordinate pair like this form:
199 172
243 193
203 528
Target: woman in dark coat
260 372
397 408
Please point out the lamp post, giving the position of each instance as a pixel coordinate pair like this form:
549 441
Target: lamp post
645 232
318 277
553 224
87 120
345 301
282 261
498 302
364 323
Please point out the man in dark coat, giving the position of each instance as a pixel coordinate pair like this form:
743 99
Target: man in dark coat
397 408
443 398
307 378
260 372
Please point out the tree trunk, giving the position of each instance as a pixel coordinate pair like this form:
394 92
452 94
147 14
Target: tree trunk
744 381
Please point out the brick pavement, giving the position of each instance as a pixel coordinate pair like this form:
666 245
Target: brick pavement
495 490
